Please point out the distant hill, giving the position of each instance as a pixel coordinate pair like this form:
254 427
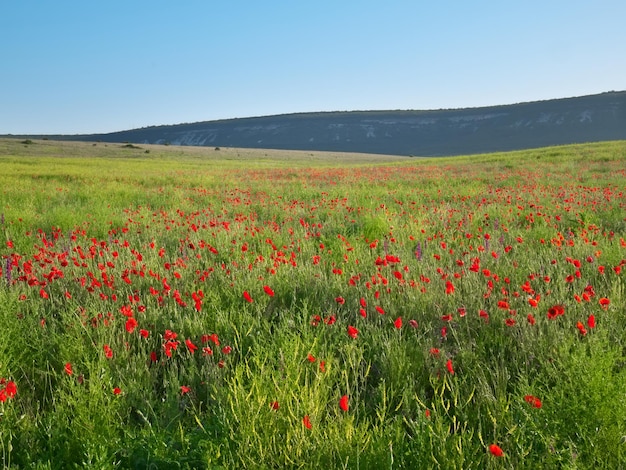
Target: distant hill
421 133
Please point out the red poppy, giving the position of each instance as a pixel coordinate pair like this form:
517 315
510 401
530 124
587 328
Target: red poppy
343 403
131 324
450 367
144 333
306 422
555 311
275 405
604 302
184 389
531 319
246 296
68 369
380 310
449 288
10 389
581 328
533 401
340 300
398 323
268 290
108 352
496 450
352 332
192 347
591 321
310 358
117 391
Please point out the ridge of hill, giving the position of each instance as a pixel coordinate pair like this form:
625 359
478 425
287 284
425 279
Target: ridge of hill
444 132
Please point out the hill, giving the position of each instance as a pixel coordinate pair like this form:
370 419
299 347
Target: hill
592 118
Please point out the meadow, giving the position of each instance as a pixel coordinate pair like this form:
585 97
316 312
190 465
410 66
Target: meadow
166 307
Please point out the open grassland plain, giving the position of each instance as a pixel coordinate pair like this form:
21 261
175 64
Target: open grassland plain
167 307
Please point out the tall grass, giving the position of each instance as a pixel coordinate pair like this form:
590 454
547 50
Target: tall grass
188 308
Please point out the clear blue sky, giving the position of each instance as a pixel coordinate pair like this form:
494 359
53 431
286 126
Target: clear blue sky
87 67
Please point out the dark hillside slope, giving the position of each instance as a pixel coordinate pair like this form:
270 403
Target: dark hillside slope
591 118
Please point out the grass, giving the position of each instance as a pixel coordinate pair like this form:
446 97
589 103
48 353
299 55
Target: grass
193 308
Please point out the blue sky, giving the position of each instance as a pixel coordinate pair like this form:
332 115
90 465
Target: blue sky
93 67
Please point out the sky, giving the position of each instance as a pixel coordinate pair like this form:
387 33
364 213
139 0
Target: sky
79 67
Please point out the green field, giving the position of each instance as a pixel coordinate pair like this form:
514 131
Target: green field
167 307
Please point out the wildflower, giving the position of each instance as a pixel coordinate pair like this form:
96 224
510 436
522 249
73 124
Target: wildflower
184 389
352 332
246 296
531 319
581 328
449 288
68 369
192 347
591 321
449 366
274 405
306 422
604 302
398 323
108 352
131 324
268 290
343 403
496 450
117 391
340 300
533 401
555 311
144 333
10 389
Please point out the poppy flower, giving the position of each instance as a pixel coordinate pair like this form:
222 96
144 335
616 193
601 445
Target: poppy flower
184 389
343 403
68 369
306 422
10 389
604 302
117 391
352 332
274 405
591 321
192 347
108 352
450 367
496 450
131 324
533 401
581 328
449 288
268 290
398 323
246 296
